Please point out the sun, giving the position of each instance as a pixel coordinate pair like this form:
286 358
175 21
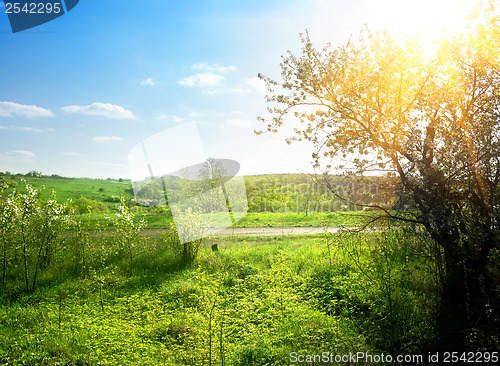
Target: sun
425 19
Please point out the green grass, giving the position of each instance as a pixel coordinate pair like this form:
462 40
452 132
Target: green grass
270 219
266 296
99 190
109 191
277 219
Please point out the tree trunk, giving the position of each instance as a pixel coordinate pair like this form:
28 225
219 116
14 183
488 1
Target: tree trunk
452 316
37 264
4 270
26 269
464 298
130 259
185 254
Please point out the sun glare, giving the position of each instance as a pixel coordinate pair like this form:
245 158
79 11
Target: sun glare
426 19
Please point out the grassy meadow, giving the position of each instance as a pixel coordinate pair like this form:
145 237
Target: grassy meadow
93 289
275 219
253 302
105 191
102 196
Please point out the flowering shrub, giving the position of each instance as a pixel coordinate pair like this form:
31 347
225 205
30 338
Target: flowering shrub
127 232
31 229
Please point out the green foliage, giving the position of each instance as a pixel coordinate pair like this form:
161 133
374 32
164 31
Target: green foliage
84 196
398 276
125 299
338 292
244 305
190 227
73 188
431 120
255 354
127 237
31 230
84 248
85 205
277 219
302 193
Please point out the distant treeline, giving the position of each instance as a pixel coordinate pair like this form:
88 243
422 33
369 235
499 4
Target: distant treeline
306 193
300 193
34 174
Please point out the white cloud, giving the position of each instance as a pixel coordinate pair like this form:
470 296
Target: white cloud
101 109
103 139
210 92
3 128
174 118
258 84
110 165
70 153
242 123
203 80
240 90
162 117
30 129
201 66
196 114
210 80
214 67
149 81
18 155
177 119
9 109
224 69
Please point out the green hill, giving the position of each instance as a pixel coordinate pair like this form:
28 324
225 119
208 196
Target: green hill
107 191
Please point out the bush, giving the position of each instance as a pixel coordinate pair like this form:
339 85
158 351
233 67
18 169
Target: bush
113 198
84 205
128 232
31 231
186 253
255 355
190 227
336 293
84 249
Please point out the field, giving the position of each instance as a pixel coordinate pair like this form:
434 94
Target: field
276 219
100 190
103 196
102 287
253 302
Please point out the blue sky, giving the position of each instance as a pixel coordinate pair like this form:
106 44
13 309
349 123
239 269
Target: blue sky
78 93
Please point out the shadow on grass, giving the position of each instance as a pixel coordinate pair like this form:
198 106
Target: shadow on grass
150 270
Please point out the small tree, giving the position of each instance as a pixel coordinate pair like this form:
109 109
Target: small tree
6 239
86 251
35 227
189 226
127 231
